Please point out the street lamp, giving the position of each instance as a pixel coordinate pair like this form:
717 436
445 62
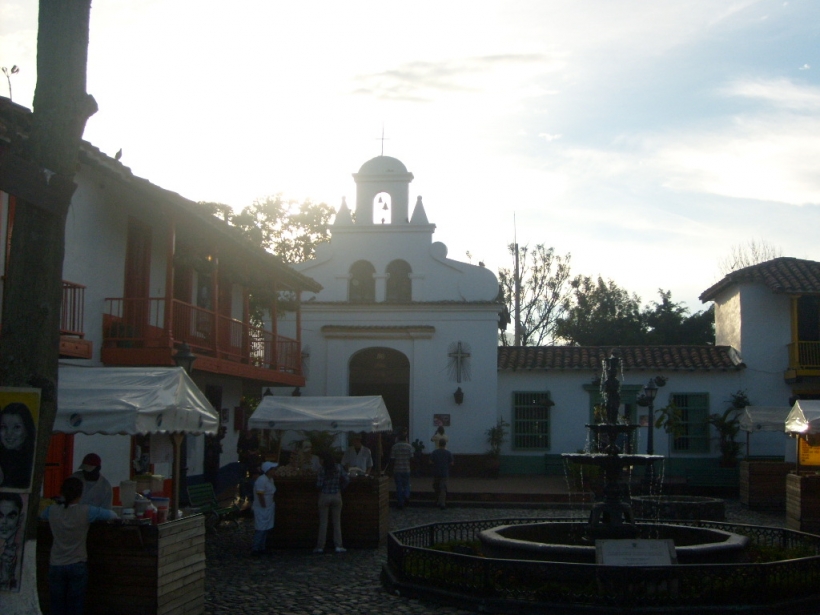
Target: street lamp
184 358
650 392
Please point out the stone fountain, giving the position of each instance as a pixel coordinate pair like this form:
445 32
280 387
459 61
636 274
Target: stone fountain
611 518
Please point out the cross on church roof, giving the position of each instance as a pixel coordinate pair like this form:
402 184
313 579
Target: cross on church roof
382 139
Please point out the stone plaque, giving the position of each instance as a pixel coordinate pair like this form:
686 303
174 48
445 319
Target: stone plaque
637 552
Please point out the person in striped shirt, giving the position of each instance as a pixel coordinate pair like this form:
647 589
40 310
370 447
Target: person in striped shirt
400 456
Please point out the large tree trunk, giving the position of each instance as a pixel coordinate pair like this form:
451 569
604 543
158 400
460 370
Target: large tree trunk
45 165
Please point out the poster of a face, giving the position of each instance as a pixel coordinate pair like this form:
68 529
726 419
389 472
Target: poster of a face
13 508
19 411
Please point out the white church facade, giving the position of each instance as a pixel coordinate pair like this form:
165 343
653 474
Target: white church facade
396 317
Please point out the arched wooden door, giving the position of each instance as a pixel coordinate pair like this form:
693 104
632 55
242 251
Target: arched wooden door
385 372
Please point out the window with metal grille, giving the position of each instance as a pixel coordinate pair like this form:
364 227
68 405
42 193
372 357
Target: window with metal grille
531 420
693 436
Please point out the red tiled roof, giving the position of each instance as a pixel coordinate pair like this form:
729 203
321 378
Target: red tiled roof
781 275
660 358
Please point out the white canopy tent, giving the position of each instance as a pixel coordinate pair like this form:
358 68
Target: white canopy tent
804 418
131 401
762 418
332 414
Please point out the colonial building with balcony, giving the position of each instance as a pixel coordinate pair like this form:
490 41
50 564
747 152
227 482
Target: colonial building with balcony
147 271
770 314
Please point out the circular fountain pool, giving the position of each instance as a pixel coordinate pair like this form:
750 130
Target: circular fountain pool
571 542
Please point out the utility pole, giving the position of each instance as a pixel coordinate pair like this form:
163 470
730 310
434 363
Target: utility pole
517 287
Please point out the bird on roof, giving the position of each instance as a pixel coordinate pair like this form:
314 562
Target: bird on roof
118 155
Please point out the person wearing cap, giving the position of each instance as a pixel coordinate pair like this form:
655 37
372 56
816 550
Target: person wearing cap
97 490
358 455
263 508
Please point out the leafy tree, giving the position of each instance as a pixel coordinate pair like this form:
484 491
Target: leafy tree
289 229
670 323
544 287
746 255
599 313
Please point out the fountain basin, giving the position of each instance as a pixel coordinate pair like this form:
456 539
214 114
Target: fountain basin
569 542
600 459
679 507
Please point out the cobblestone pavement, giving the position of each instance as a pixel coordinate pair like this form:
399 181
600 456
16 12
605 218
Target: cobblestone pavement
297 582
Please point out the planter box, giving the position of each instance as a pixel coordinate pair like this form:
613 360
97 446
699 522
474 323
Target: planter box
365 513
763 483
803 503
138 569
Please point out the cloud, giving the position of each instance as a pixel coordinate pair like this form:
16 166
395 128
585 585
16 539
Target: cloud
548 137
423 81
780 92
805 67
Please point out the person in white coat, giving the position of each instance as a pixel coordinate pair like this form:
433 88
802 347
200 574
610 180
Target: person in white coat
263 507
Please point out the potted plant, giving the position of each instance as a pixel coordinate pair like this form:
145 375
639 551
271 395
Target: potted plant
727 425
496 436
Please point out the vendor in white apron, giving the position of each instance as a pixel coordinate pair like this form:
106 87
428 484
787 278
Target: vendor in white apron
263 507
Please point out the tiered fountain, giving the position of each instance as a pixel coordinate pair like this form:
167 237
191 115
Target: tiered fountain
610 518
525 567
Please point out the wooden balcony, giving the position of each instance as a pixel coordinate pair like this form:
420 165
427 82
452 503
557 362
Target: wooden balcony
804 361
135 332
73 344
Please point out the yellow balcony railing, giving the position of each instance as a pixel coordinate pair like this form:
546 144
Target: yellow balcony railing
804 355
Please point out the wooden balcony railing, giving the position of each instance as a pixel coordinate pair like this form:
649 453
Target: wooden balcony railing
140 323
72 311
804 355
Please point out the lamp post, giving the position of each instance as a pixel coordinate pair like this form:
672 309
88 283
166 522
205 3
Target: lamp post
183 358
650 392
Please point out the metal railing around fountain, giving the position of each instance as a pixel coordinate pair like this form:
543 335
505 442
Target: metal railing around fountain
418 565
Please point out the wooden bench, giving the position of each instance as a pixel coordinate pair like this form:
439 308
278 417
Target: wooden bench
203 499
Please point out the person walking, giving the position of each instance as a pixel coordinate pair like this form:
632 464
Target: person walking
330 481
442 461
263 508
400 455
68 568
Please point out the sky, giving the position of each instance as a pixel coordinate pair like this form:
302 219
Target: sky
646 138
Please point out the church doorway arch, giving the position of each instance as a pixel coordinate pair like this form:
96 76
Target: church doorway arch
385 372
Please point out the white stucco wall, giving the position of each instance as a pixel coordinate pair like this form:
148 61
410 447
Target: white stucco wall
571 411
757 323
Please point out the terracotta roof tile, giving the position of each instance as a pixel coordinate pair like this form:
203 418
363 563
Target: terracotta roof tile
781 275
661 358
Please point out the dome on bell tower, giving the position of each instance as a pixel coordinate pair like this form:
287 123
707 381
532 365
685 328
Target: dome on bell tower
379 176
382 165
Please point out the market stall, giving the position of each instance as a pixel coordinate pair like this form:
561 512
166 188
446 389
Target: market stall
136 568
763 481
365 512
803 485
